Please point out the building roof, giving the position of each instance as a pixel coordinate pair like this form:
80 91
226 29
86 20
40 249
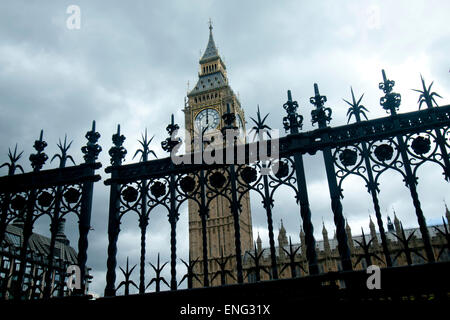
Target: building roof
211 51
209 82
39 245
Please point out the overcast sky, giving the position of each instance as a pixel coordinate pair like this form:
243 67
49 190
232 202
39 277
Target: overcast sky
130 63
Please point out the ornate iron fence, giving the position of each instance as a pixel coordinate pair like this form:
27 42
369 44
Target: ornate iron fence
55 193
367 149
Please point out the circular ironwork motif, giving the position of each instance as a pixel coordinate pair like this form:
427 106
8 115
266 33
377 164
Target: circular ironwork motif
187 184
348 157
130 194
18 203
45 199
217 180
158 189
384 152
249 174
283 170
72 195
421 145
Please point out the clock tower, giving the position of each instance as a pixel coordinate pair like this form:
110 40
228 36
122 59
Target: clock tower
206 103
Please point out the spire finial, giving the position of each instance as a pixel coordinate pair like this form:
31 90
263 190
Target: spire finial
324 229
282 226
210 25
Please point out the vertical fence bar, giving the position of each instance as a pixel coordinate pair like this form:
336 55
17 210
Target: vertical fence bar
391 103
204 216
51 252
144 215
26 234
55 221
92 151
237 233
168 145
376 205
37 161
143 223
322 115
268 206
229 119
83 228
113 235
411 182
293 122
173 218
260 129
204 212
117 153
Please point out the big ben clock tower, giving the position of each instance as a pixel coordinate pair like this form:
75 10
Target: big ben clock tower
207 102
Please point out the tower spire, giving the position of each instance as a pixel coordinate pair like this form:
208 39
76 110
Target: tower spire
211 51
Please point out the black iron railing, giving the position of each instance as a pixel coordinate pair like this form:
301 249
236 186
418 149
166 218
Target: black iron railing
366 149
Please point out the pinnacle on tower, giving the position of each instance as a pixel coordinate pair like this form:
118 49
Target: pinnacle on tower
259 243
326 242
390 226
347 226
302 233
348 230
211 51
373 231
396 223
371 224
282 238
324 230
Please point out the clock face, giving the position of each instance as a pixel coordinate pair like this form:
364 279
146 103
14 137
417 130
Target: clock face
208 118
